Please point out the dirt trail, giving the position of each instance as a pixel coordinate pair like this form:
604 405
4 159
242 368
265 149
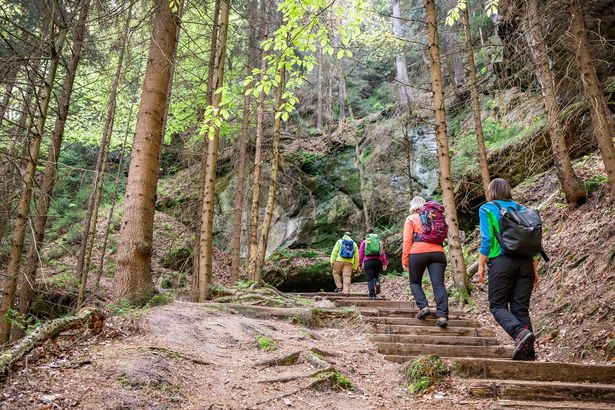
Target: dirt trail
184 356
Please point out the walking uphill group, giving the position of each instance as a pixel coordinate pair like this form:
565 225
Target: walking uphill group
511 243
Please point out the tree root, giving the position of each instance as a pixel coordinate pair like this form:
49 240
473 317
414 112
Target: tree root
288 360
49 330
174 353
291 377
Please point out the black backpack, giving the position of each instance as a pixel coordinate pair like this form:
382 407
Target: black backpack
520 232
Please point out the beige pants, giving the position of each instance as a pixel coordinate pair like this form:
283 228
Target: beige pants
342 269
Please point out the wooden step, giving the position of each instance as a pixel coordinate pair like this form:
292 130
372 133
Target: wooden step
374 303
434 339
405 349
432 330
334 295
537 371
549 405
540 390
393 312
411 321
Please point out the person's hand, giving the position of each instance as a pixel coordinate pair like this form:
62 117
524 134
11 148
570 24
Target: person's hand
384 268
481 273
536 279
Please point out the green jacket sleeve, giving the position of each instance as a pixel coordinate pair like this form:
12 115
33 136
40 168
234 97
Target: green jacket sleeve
355 258
336 250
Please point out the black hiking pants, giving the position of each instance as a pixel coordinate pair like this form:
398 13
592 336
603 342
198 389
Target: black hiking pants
372 268
511 281
435 263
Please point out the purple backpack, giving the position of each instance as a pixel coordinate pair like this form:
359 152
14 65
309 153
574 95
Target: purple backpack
433 222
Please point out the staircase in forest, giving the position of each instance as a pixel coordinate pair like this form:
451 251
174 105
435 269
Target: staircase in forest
479 357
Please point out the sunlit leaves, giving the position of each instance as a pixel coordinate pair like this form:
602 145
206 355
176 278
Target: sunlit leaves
174 5
491 7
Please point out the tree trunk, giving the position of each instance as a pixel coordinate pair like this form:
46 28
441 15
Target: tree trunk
23 209
10 173
446 184
330 74
401 76
209 193
241 165
208 101
341 91
273 181
91 219
120 170
480 138
51 167
602 117
9 80
319 96
258 162
133 281
358 151
571 185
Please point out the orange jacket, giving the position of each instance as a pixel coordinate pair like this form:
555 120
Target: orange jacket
412 226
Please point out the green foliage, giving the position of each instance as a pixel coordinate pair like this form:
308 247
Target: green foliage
423 372
305 157
63 280
265 344
26 323
594 183
338 380
243 284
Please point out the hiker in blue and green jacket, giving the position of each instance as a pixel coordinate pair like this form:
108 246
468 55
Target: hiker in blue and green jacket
511 278
344 261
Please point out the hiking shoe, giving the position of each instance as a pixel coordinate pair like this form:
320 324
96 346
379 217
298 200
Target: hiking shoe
423 313
337 290
524 343
531 354
442 322
377 288
372 298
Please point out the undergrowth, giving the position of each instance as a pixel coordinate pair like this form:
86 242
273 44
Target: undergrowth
265 344
424 372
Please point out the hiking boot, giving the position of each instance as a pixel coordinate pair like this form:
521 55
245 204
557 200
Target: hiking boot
423 313
524 343
372 298
531 354
442 322
337 290
377 288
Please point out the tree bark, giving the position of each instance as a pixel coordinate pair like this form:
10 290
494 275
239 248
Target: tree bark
91 219
446 184
196 272
10 173
133 281
358 151
480 138
258 162
341 91
9 80
23 209
243 143
273 181
120 170
209 193
319 94
602 117
570 183
51 167
401 66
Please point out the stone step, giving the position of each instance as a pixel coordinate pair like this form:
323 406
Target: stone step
393 312
541 390
434 339
536 371
411 321
405 349
378 303
433 330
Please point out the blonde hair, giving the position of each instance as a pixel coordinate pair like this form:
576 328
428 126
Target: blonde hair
416 204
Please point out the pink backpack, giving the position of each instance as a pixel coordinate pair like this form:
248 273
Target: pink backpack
433 223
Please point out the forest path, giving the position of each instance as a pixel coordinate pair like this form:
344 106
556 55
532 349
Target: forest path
480 358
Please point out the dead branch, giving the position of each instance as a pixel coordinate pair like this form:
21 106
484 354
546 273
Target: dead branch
94 317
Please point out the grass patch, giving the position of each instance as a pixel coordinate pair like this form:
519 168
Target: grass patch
265 344
63 280
424 372
337 380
